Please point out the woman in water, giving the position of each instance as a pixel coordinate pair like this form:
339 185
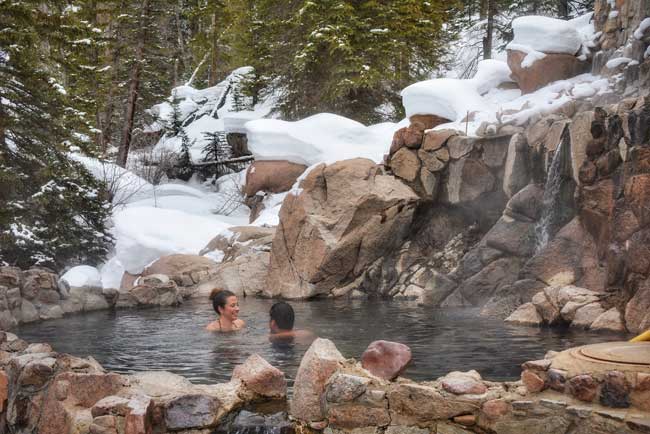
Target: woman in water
225 304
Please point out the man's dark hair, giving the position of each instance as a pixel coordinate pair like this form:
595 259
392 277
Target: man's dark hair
282 314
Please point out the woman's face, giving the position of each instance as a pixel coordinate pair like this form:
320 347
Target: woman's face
231 309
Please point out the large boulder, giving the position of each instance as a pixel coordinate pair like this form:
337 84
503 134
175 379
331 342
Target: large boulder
273 176
259 376
386 359
188 271
552 67
319 363
245 275
346 216
468 179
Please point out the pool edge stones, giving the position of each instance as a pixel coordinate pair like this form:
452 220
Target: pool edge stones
318 364
192 411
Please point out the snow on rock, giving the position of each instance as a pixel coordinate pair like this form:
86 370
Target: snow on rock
643 26
615 63
233 122
548 35
270 215
82 275
453 98
324 137
144 234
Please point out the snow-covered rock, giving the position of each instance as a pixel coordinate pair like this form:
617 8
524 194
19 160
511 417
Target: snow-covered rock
324 137
82 276
548 35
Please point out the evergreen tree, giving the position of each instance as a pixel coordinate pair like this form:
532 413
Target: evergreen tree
184 169
53 211
215 149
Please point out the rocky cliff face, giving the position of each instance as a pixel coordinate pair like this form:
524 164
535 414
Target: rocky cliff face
490 221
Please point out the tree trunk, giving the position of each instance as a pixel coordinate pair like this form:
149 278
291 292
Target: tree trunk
134 85
563 9
490 8
212 77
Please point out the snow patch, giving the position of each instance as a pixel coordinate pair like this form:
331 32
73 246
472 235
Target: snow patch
643 26
548 35
83 275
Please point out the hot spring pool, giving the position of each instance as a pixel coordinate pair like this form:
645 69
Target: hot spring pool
174 339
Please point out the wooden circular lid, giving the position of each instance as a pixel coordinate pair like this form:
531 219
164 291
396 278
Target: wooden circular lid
637 353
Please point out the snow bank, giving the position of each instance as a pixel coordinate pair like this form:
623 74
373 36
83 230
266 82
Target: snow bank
643 26
453 98
144 234
124 185
548 35
83 275
324 137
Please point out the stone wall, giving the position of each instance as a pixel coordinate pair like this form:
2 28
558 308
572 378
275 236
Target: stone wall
51 393
343 397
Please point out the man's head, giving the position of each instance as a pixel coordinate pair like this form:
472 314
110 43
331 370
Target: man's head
282 317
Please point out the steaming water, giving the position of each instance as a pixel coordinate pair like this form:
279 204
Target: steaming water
174 339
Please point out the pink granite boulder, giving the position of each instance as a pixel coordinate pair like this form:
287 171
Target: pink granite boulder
261 377
386 359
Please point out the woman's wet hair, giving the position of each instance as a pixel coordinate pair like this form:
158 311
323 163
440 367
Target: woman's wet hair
219 298
282 314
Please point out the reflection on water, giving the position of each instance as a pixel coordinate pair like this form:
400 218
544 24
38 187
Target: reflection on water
174 339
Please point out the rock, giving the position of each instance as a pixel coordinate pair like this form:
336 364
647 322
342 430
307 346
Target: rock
533 382
460 146
436 139
640 395
460 383
386 359
343 388
430 182
637 311
556 379
436 289
259 376
495 408
517 173
410 137
37 280
318 364
526 204
586 315
428 122
525 315
10 277
583 387
245 275
272 176
581 137
468 179
430 160
418 404
51 311
512 237
4 390
546 306
479 288
164 294
615 390
610 320
241 241
406 164
552 67
7 321
509 297
192 411
347 216
186 270
637 192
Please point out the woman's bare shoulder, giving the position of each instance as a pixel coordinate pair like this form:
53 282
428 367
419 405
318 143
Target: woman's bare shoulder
240 323
214 326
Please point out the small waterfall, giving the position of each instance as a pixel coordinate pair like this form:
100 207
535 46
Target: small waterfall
557 202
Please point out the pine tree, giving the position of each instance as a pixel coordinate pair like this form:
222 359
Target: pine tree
53 211
184 169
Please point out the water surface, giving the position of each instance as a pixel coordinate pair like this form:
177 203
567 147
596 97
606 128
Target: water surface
174 339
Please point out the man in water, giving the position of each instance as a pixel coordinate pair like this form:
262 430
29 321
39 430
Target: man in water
281 325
